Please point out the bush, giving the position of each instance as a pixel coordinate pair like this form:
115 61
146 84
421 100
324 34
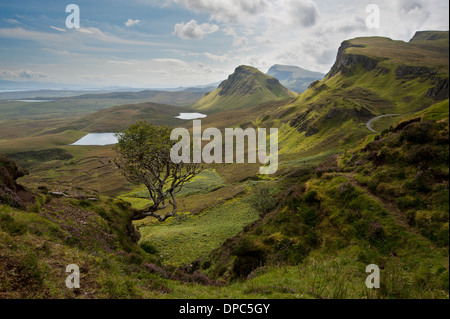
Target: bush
85 203
263 200
409 202
102 213
43 189
149 248
29 268
347 190
418 184
411 217
243 266
308 216
123 205
9 225
418 133
375 231
249 257
422 154
310 196
433 225
246 247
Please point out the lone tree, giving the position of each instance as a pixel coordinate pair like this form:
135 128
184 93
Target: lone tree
144 157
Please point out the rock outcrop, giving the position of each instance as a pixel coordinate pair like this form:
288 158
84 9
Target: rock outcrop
407 71
11 193
441 91
345 62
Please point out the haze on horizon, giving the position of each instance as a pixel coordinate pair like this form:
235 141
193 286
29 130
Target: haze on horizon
173 43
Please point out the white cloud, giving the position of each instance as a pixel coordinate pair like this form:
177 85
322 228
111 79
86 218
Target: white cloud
246 12
238 41
60 52
413 11
87 38
22 76
11 21
303 12
308 33
230 11
217 58
170 61
260 33
58 29
132 22
192 30
84 30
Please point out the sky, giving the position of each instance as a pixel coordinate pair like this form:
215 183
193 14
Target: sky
173 43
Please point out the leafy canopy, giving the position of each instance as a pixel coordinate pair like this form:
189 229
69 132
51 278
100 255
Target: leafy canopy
144 157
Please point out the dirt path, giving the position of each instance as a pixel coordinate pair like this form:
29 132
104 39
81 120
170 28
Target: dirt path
387 205
369 124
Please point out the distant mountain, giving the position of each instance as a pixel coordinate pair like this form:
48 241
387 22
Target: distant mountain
177 98
196 88
200 89
30 85
246 87
294 77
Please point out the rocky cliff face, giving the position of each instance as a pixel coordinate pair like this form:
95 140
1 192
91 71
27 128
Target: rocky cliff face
11 193
441 91
407 71
429 36
345 62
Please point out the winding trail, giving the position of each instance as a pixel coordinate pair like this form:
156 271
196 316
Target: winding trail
369 124
388 205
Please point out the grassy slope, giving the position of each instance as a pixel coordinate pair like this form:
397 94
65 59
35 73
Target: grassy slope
333 112
212 210
33 143
37 244
317 244
331 259
367 206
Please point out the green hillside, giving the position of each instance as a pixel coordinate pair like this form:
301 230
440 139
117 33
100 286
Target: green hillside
246 87
371 77
385 203
353 188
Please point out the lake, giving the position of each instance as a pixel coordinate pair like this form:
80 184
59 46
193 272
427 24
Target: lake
31 101
102 139
97 139
191 116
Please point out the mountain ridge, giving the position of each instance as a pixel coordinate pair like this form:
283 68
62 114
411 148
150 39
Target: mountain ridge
371 77
246 87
